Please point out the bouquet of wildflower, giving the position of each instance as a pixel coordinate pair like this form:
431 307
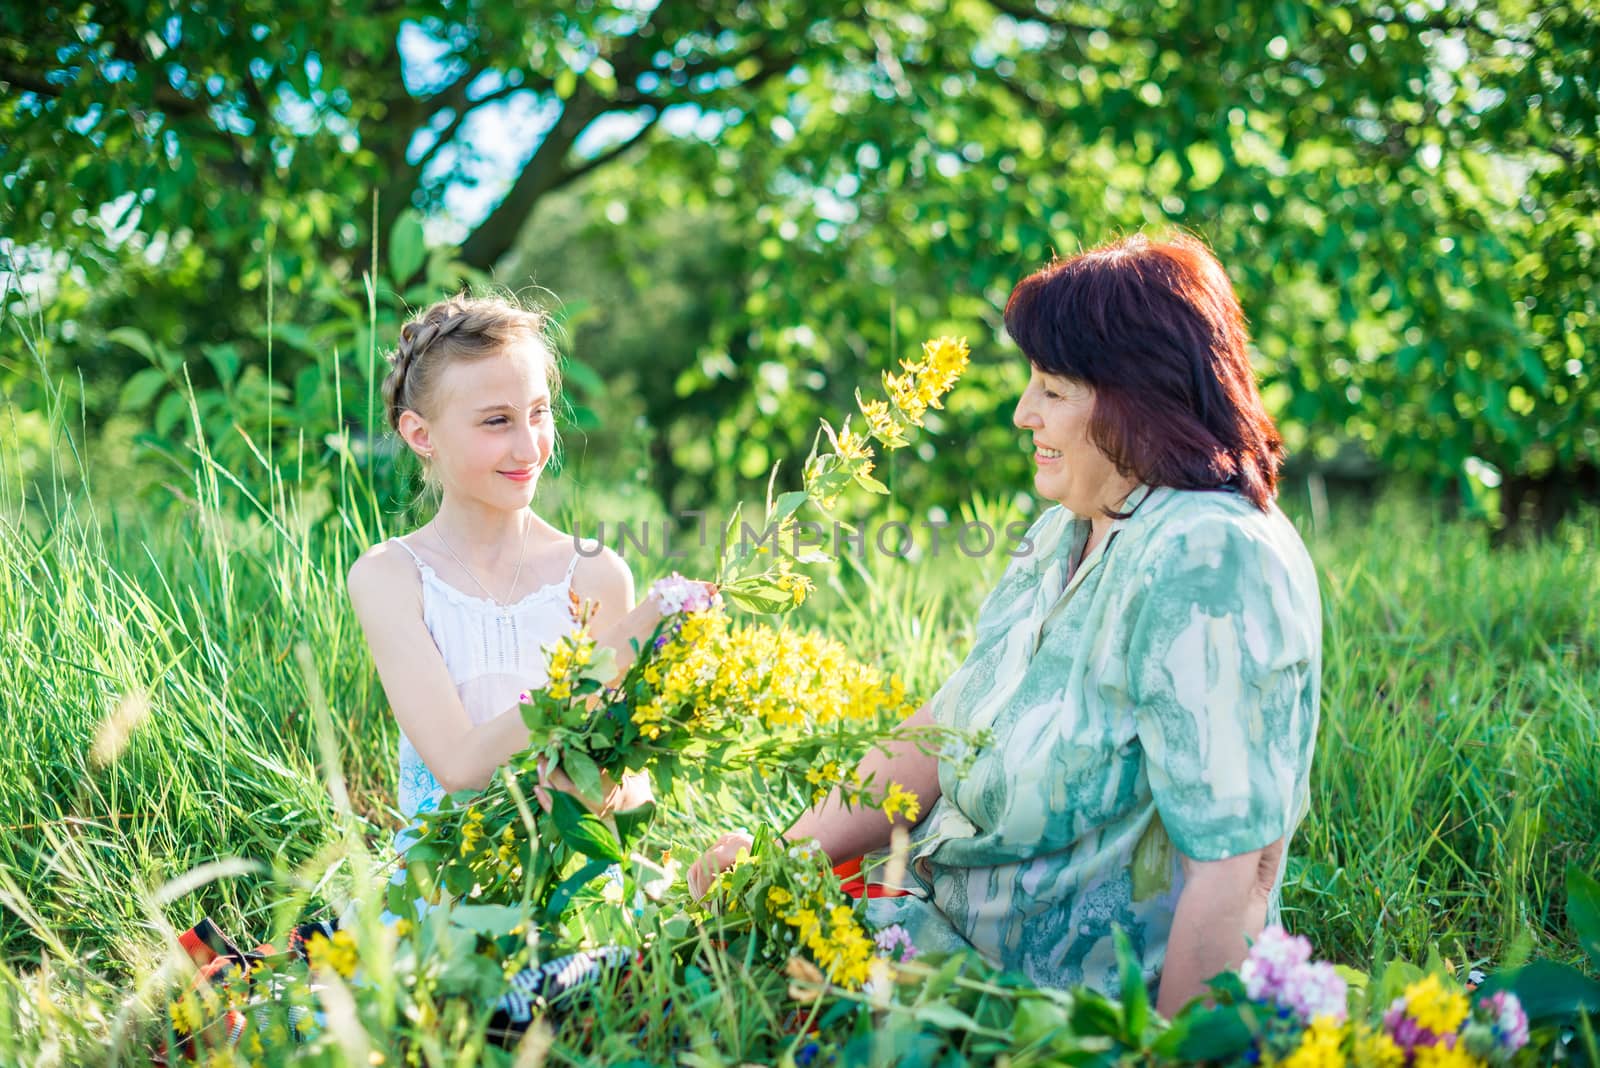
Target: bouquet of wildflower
1284 1008
705 690
1434 1024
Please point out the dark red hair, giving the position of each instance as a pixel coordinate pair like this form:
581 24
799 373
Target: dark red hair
1154 328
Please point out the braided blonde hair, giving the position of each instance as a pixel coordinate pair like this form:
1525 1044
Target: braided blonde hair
459 328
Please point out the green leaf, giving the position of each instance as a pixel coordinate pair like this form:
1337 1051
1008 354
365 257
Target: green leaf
1135 998
632 824
1548 991
582 829
570 886
584 377
135 339
867 482
1095 1014
142 388
584 773
406 247
1583 909
787 504
225 361
169 413
946 1017
1217 1034
491 921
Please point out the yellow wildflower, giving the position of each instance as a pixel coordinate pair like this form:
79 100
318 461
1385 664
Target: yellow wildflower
185 1013
337 954
471 831
1440 1010
902 801
852 446
507 851
1442 1056
882 424
777 897
1320 1046
1374 1049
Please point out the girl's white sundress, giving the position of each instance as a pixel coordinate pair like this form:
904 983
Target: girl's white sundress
492 651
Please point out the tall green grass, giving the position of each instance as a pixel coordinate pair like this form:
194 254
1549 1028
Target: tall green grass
161 717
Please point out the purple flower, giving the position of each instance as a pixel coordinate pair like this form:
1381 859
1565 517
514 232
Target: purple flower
1406 1032
1270 961
896 938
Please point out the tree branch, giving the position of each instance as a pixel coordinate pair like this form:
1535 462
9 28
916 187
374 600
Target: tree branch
27 81
574 173
545 171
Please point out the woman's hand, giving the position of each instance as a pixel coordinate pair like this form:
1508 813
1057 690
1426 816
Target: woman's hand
719 858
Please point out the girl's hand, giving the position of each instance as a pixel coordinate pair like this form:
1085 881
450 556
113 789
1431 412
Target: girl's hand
719 858
671 594
633 791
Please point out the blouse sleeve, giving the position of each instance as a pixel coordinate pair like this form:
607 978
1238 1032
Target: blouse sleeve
1222 664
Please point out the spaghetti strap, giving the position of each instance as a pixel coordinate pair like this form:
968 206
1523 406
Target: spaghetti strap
411 553
572 567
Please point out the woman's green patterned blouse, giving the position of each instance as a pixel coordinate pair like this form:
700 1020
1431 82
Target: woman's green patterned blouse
1163 695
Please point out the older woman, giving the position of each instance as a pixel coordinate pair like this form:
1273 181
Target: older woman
1147 678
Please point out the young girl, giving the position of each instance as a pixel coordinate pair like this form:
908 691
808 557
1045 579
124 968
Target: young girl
456 612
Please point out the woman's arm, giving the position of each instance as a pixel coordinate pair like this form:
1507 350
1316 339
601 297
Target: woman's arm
1222 903
844 832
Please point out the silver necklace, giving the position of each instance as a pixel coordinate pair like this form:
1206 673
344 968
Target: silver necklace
515 575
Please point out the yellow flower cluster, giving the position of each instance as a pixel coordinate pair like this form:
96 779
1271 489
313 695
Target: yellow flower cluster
471 831
826 776
337 954
1442 1056
1435 1007
882 424
187 1017
923 383
567 657
839 945
798 587
1320 1046
899 800
507 850
712 672
1374 1049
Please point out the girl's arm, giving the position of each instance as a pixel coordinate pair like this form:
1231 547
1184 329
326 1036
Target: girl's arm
387 596
844 833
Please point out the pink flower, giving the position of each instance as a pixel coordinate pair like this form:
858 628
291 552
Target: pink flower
1270 960
1510 1023
895 938
1313 990
678 594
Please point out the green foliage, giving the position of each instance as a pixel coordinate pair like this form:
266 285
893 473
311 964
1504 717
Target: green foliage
1406 198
